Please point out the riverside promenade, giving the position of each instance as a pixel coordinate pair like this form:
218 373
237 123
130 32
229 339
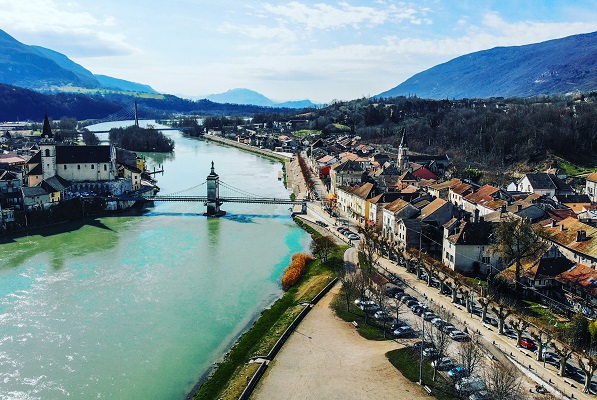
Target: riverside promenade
326 358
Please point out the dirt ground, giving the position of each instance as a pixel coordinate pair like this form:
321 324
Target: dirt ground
325 358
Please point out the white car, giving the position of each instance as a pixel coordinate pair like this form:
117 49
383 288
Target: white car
443 364
459 335
471 384
382 315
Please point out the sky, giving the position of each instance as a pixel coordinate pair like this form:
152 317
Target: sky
287 50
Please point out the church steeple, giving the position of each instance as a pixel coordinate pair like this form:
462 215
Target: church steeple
46 132
403 153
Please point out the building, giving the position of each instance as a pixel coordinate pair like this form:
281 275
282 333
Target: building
466 247
544 184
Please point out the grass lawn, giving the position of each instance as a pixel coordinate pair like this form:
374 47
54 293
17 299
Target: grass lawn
371 330
406 361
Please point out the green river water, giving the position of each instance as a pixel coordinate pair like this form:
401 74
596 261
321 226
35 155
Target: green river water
140 307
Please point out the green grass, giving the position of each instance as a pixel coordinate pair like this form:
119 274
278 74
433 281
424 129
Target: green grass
573 169
406 361
370 330
303 133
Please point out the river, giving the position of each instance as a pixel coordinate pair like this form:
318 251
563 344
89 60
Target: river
140 307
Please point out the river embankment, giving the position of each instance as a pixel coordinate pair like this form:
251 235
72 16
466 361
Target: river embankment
264 152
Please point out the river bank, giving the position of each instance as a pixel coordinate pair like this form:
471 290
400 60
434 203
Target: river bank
283 157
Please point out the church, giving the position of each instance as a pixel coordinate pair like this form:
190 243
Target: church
59 169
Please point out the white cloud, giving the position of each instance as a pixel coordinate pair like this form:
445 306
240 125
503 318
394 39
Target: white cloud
46 23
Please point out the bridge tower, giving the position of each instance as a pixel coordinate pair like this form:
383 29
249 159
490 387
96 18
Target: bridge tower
213 195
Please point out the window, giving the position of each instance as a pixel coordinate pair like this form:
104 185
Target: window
65 166
78 166
47 153
105 167
92 166
485 260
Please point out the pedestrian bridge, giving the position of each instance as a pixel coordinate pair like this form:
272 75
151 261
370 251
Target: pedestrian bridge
218 193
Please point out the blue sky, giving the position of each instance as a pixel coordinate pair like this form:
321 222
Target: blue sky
287 50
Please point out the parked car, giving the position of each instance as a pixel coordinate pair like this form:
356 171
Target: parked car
353 236
369 307
457 372
404 330
321 223
429 315
411 302
425 345
449 328
480 395
491 321
443 364
459 336
527 343
360 300
471 384
438 322
430 352
393 291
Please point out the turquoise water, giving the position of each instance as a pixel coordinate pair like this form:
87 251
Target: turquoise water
139 307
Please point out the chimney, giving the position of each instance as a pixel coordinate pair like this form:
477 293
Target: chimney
553 223
504 209
519 207
561 227
581 236
476 215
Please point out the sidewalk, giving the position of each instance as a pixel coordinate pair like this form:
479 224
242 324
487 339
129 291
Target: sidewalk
493 341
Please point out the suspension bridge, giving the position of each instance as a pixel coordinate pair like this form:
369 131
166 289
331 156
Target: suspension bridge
127 114
218 193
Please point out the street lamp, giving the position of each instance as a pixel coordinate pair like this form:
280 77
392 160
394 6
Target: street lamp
421 355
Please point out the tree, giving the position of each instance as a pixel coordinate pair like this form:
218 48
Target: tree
588 365
470 354
439 338
502 311
564 352
322 246
517 241
504 381
485 302
519 326
369 244
579 335
349 286
542 338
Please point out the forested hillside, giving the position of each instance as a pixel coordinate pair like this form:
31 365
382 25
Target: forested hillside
494 132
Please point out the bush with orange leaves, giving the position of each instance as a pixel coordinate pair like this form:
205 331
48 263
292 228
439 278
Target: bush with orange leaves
295 270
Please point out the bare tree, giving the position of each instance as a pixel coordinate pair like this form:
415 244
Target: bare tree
466 294
519 325
456 285
380 299
542 338
442 278
361 283
470 354
502 310
485 302
504 381
564 352
369 244
349 286
588 365
439 338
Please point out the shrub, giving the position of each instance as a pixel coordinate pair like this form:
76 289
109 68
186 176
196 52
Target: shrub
295 270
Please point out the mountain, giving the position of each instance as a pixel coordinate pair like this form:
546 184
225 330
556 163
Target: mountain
120 84
42 69
555 66
250 97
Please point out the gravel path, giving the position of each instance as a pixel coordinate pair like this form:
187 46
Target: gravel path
327 359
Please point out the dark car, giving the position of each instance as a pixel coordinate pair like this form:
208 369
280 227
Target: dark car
321 223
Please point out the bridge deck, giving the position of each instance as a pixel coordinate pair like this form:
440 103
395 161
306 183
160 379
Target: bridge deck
256 200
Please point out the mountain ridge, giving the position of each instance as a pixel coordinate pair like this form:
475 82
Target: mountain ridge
555 66
245 96
42 69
